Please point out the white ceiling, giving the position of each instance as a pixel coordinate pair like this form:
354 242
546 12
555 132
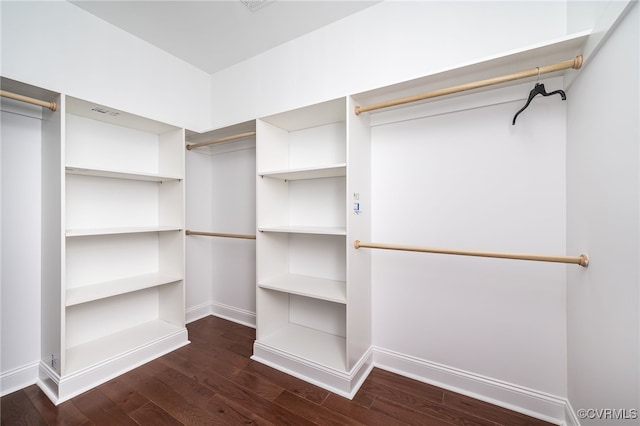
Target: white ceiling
215 34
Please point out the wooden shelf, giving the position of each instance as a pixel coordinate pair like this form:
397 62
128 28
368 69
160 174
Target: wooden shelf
119 174
89 293
97 351
114 231
336 170
323 348
319 230
317 288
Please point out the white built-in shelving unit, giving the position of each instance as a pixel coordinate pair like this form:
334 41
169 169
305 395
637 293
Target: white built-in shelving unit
313 288
113 244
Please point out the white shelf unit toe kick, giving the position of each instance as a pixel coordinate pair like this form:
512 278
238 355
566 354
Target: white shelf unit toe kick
113 244
315 357
308 307
98 361
94 352
308 343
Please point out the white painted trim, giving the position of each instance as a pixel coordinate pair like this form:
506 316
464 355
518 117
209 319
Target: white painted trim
533 403
571 419
60 389
345 384
18 378
234 314
198 312
223 311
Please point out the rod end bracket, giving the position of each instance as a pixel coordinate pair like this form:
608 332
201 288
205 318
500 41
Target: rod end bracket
577 62
584 260
356 244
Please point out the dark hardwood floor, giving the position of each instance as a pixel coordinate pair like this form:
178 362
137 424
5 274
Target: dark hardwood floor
212 381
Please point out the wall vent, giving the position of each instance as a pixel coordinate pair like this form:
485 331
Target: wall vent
254 5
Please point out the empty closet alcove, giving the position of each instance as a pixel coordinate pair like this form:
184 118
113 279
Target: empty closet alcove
220 198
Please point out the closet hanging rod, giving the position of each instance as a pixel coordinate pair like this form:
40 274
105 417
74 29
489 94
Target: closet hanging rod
225 139
582 260
569 64
218 234
47 104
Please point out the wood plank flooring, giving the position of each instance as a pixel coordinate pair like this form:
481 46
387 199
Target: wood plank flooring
212 381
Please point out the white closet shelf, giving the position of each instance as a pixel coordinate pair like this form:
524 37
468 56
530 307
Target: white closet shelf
119 174
123 230
96 351
317 288
89 293
295 229
320 172
323 348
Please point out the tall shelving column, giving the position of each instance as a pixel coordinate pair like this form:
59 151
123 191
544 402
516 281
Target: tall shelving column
116 248
306 322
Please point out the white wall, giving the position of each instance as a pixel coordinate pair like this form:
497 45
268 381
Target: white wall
221 198
198 265
60 47
603 219
583 15
391 42
234 211
20 228
467 179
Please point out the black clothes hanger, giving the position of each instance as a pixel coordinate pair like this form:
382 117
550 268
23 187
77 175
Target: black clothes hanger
538 90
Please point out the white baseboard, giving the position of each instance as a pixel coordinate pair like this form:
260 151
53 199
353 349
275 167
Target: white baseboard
533 403
570 416
18 378
60 389
234 314
221 310
345 384
198 312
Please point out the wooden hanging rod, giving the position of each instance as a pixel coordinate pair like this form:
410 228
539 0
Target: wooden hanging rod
47 104
570 64
218 234
226 139
582 260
